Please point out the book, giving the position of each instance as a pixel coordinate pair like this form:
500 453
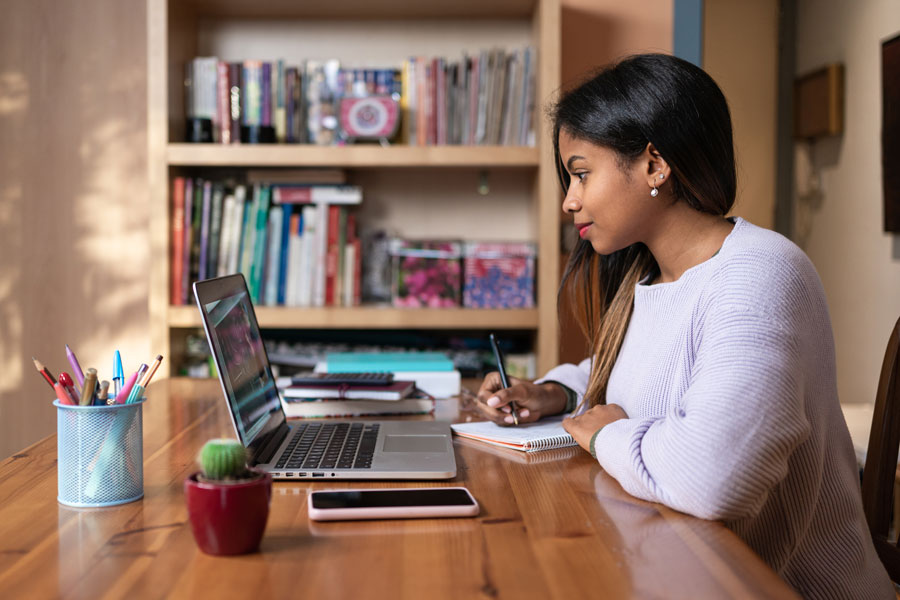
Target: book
186 244
356 408
396 390
366 362
439 384
177 239
529 437
305 194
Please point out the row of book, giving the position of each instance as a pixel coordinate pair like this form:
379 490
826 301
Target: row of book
483 99
296 244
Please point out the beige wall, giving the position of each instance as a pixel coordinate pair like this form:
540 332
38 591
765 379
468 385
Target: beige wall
73 235
840 224
596 32
740 51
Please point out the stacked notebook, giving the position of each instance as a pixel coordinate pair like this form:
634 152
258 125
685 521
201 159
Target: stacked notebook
311 399
432 372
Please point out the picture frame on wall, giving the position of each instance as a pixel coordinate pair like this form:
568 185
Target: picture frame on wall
890 132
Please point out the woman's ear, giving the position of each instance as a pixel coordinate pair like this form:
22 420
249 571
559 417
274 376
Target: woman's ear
657 169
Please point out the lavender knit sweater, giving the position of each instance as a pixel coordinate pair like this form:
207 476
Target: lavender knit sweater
728 379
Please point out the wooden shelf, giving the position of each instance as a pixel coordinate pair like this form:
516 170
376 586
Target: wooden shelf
292 155
362 9
270 317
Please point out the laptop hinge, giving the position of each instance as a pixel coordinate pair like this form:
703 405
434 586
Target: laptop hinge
268 451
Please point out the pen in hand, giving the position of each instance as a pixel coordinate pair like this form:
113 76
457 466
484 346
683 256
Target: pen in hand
503 379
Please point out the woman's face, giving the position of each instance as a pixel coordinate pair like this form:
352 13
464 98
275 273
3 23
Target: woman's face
611 205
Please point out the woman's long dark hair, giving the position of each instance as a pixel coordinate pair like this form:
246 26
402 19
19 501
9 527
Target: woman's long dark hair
677 107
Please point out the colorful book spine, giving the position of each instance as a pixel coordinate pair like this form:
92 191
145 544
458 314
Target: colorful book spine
203 249
309 253
304 194
265 115
279 116
215 229
292 270
248 233
196 220
177 240
234 100
188 233
223 104
258 255
229 205
273 263
287 215
331 255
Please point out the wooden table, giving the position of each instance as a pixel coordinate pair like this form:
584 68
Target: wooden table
552 525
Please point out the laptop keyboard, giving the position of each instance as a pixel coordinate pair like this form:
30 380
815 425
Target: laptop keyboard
330 446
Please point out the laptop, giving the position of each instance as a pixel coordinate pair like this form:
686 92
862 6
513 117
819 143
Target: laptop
332 449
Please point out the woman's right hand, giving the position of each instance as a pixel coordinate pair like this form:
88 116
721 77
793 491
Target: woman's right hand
533 401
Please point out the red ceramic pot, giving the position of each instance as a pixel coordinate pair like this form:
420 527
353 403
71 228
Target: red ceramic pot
228 518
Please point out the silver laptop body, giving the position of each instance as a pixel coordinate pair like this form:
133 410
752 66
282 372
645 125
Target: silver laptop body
339 449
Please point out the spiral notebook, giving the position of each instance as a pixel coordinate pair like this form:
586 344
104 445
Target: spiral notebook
531 437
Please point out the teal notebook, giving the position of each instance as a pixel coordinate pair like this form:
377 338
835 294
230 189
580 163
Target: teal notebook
368 362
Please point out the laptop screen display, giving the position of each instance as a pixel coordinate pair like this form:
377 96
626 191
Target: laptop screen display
241 356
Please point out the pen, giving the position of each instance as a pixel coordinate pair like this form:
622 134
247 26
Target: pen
118 374
77 373
122 396
503 380
65 380
43 371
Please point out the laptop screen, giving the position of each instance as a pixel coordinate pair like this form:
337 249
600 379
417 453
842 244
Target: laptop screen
240 357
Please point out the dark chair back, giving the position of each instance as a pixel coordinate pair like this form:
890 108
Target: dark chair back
881 458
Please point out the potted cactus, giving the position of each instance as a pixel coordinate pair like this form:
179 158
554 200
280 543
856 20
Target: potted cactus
227 502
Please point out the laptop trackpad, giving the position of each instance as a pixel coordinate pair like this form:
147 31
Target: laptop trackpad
415 443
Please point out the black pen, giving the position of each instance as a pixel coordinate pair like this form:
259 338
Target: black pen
503 380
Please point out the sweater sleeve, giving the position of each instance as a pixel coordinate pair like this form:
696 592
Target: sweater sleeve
572 377
720 452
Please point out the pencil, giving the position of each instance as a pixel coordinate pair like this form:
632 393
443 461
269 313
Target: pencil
43 371
146 380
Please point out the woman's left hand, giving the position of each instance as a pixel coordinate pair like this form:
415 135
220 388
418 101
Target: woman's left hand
584 426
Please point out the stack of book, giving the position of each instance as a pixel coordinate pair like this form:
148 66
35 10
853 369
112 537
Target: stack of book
483 99
313 400
432 372
296 243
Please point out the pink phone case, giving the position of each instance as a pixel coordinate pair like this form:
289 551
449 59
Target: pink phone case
390 512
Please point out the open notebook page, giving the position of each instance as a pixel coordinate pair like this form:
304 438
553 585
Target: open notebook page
530 437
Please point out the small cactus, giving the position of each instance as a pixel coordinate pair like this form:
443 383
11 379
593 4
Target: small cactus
223 459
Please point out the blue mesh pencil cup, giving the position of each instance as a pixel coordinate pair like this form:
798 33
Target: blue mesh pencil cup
100 458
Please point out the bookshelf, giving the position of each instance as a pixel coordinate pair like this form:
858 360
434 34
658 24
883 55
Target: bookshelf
524 198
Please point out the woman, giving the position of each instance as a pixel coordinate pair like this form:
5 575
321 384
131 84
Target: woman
711 384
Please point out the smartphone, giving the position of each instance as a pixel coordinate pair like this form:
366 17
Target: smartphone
399 503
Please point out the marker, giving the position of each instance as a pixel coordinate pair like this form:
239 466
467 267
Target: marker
103 394
90 384
65 380
76 368
122 396
62 395
48 377
118 374
503 379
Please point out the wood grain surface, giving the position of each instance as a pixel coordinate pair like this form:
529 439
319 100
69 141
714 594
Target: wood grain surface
552 525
